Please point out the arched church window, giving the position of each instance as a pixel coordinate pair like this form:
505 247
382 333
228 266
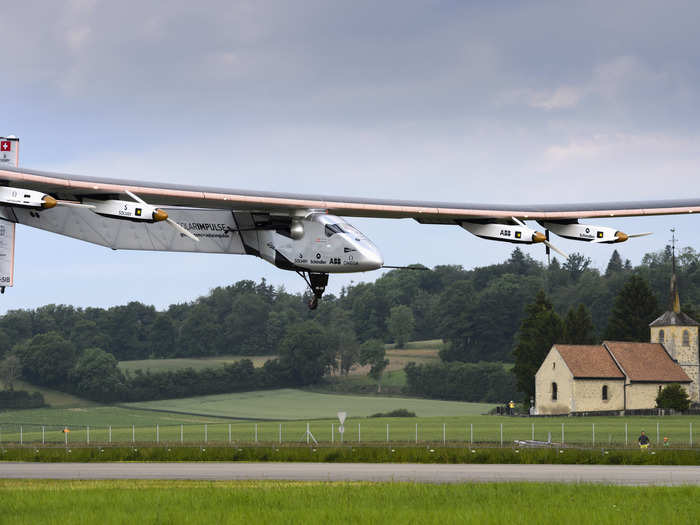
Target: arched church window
554 391
686 338
661 336
605 392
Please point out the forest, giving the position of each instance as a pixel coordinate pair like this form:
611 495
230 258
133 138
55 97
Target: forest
478 312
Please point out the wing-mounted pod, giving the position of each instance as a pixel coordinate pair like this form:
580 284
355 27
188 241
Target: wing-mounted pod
507 230
576 231
21 198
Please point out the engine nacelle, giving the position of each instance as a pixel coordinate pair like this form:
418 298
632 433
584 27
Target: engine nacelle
503 231
21 198
585 232
126 210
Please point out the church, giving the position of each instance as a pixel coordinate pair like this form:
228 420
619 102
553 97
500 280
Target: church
617 376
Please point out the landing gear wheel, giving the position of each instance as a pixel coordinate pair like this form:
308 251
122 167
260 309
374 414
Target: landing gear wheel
317 282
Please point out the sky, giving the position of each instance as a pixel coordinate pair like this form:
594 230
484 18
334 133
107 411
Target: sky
494 102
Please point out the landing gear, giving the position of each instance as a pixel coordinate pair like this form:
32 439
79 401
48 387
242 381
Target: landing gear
317 282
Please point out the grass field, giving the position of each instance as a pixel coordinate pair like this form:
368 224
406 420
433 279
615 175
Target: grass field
152 427
54 398
289 404
192 502
198 363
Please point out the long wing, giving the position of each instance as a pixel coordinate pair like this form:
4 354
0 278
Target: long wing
75 187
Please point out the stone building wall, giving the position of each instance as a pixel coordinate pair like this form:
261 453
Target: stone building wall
553 370
643 395
686 355
588 395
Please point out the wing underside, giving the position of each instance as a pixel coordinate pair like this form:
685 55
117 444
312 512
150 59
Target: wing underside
74 187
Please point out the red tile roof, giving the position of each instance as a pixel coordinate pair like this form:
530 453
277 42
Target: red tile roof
589 361
646 362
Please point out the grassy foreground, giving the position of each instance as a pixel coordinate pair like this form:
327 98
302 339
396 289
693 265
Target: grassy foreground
195 502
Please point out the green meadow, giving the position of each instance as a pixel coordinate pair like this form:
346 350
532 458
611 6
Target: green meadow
194 502
197 363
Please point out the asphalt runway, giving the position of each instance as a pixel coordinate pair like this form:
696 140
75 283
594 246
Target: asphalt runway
425 473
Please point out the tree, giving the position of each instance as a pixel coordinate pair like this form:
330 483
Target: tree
576 265
614 264
10 371
578 327
344 340
400 324
47 358
305 352
97 376
373 353
540 329
673 396
163 337
635 307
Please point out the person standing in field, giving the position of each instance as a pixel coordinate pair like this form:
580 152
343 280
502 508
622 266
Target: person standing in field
643 440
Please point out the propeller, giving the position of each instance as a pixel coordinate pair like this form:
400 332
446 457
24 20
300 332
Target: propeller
164 216
543 238
622 237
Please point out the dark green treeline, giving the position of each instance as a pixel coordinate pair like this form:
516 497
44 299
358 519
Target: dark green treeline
478 312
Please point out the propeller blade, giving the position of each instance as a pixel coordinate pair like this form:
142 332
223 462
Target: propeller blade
598 241
182 230
135 197
550 245
519 222
639 234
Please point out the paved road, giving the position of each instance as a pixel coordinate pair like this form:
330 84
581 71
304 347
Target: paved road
620 475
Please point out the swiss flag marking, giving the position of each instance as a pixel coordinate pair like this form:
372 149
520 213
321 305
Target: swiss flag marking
5 145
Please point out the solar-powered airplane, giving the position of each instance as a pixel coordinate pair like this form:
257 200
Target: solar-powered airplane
306 234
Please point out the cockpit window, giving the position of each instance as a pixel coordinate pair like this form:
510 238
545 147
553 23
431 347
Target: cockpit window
332 229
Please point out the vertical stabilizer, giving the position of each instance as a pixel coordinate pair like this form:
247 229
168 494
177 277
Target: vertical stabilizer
9 151
7 254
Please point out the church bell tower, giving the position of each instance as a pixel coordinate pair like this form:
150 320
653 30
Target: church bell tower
678 332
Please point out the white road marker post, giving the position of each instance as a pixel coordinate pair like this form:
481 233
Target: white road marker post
157 433
229 433
182 433
471 434
626 441
691 433
501 434
416 433
332 432
280 433
21 436
256 432
387 432
206 433
133 433
342 416
42 434
533 432
87 435
444 433
110 434
562 434
593 438
359 433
